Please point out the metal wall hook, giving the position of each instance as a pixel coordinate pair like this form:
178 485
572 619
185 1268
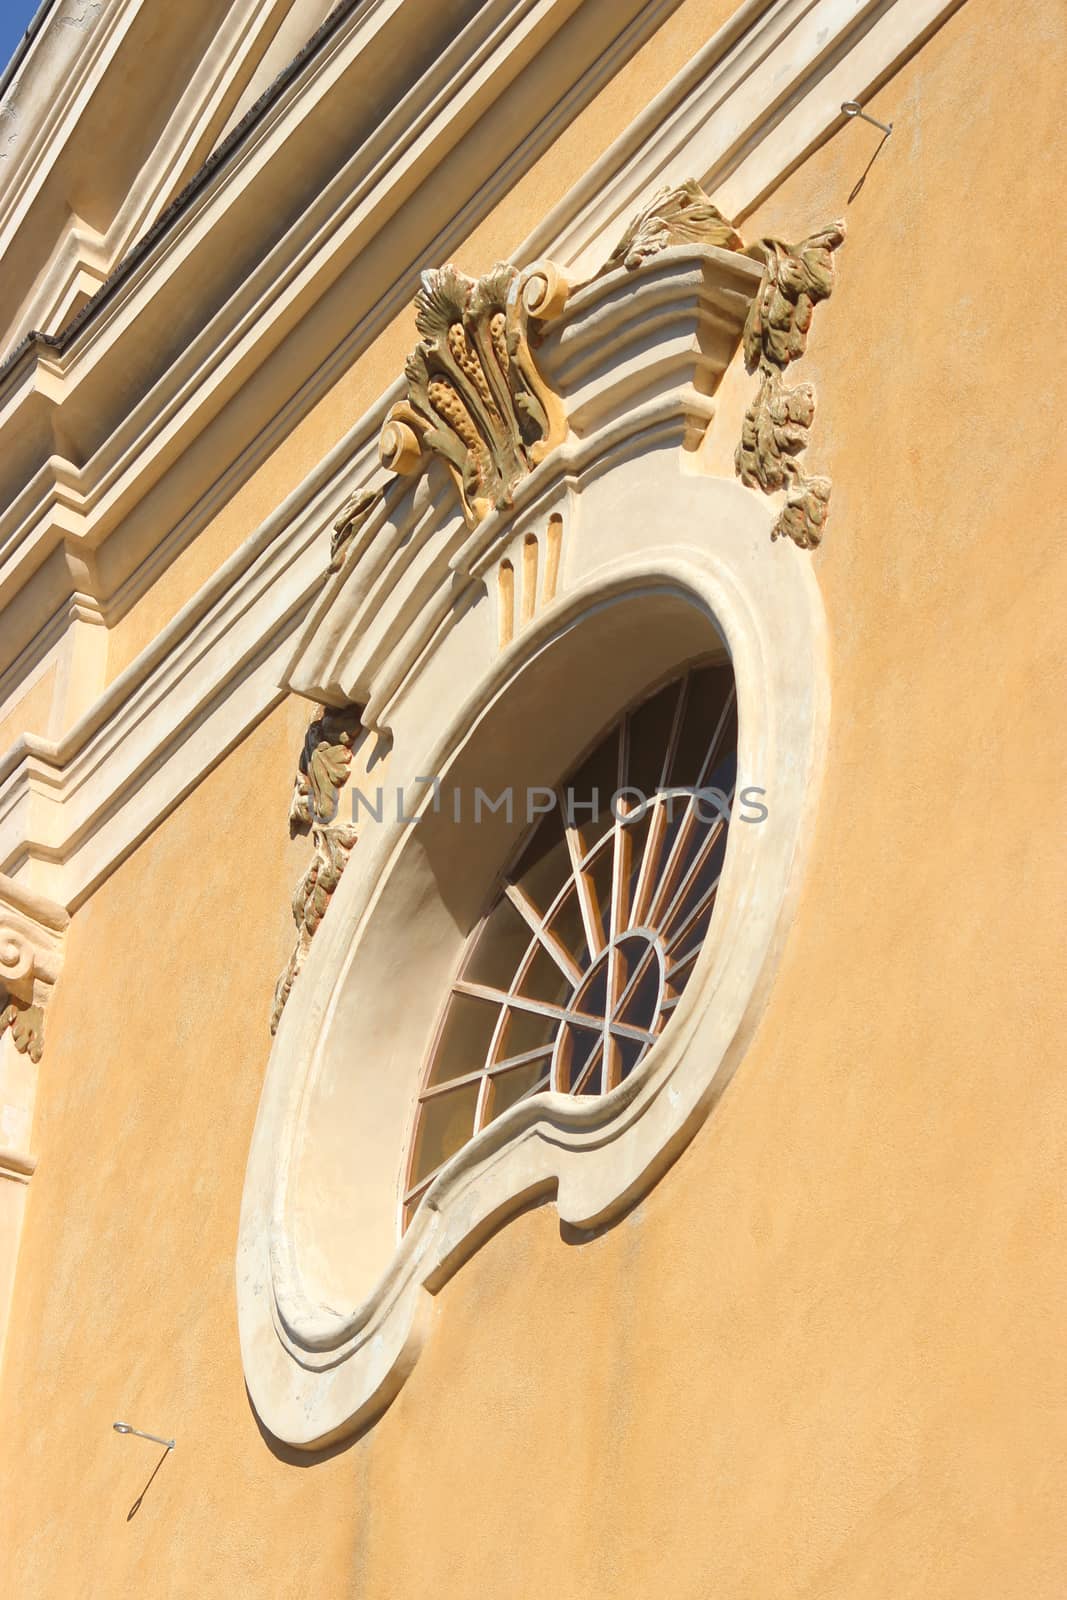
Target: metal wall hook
852 108
124 1427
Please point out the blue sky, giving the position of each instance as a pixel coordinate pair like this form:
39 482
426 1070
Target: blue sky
14 18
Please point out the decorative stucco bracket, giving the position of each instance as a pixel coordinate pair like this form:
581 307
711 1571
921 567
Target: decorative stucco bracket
476 397
31 945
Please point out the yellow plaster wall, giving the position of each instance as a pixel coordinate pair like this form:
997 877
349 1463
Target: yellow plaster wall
824 1357
30 713
547 181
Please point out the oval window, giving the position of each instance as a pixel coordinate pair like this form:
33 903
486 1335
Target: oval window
593 933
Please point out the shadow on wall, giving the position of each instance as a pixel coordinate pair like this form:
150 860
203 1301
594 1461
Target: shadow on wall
137 1503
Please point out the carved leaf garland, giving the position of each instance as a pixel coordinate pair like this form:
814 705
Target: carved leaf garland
353 515
795 278
777 423
323 769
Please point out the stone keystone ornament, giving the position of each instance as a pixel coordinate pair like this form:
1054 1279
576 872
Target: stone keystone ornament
474 394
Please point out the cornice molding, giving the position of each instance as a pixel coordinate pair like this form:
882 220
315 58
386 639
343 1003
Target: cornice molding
70 810
77 58
44 122
764 92
64 387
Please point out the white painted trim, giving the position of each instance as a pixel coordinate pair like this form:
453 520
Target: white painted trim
15 1165
77 60
80 62
70 811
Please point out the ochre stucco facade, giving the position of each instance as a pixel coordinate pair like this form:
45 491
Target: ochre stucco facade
823 1356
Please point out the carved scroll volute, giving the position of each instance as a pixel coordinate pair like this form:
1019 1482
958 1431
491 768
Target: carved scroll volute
474 395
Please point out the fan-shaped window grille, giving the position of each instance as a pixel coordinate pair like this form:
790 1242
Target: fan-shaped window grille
576 968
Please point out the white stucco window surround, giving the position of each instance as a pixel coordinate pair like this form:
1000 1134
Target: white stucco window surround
490 659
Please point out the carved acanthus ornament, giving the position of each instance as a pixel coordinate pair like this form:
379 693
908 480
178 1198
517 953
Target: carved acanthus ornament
314 809
682 215
474 394
476 398
31 940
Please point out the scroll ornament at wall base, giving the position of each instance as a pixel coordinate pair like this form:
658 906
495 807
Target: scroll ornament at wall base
323 770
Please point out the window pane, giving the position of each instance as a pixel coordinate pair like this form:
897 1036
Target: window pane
683 736
511 1087
545 867
526 1030
446 1122
465 1038
499 948
543 979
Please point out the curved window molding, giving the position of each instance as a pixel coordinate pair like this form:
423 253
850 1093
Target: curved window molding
456 645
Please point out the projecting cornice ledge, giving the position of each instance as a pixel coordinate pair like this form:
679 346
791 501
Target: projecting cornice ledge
522 377
477 399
